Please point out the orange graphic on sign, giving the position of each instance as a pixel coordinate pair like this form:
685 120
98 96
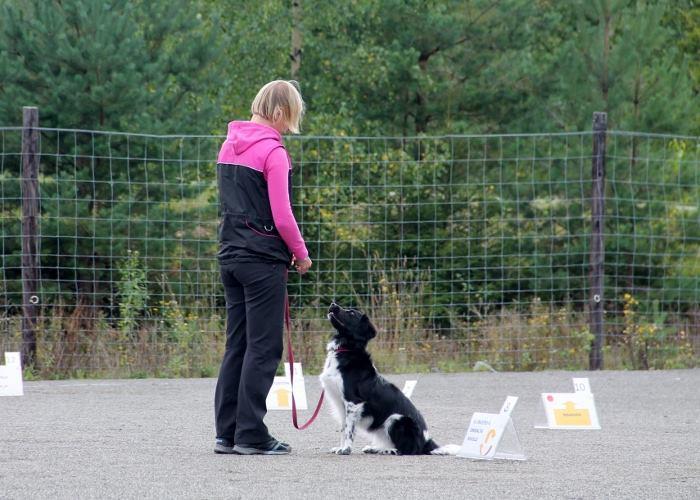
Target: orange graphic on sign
489 436
571 415
283 397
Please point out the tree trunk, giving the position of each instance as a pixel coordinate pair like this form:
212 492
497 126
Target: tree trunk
605 77
295 55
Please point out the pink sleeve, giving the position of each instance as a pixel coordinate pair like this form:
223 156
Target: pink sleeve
276 173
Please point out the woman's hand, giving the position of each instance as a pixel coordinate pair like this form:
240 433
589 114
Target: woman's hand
302 265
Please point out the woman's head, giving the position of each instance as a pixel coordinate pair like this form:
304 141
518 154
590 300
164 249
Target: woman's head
280 103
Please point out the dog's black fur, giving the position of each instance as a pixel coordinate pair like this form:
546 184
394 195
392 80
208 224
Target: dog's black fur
365 400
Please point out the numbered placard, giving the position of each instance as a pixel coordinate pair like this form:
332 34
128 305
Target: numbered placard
581 385
493 436
11 375
280 395
575 410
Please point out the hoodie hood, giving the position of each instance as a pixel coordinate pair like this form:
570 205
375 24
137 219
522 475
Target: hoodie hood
244 135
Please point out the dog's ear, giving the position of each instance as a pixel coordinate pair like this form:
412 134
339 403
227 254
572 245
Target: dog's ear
368 328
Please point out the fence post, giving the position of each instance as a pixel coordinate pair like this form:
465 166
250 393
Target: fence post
30 212
597 261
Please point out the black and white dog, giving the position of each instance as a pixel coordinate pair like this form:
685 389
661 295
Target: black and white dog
362 399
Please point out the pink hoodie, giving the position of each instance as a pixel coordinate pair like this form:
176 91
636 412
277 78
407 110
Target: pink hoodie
260 147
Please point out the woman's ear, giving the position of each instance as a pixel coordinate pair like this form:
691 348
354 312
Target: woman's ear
278 120
277 115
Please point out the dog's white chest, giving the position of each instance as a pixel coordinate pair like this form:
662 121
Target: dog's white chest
332 383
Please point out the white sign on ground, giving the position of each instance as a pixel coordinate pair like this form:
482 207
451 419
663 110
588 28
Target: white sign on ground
574 410
493 436
11 375
408 387
280 395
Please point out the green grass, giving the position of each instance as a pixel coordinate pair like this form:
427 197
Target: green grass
75 344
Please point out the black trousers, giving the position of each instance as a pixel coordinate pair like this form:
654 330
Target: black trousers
255 298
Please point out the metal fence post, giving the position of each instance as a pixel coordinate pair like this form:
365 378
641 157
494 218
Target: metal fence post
597 260
30 213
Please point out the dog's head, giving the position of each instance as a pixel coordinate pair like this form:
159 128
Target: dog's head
352 326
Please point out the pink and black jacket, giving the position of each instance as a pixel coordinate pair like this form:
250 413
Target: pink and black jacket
255 190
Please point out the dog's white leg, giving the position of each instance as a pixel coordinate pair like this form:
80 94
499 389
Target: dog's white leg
345 447
353 413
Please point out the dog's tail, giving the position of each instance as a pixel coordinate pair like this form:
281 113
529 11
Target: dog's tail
447 449
431 448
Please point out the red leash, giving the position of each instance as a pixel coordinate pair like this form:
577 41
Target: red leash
288 324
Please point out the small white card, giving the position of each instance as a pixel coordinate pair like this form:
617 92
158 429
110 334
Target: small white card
581 385
574 410
280 395
509 404
408 387
493 436
11 375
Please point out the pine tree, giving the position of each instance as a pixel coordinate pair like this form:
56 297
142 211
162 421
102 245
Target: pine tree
117 65
620 58
415 67
685 17
128 66
257 48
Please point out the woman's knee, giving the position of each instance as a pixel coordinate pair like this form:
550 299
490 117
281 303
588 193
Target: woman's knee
271 349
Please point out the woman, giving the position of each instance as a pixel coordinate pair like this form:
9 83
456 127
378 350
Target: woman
258 239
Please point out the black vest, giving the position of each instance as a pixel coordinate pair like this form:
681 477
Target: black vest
247 232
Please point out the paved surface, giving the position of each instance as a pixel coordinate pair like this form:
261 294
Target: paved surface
154 438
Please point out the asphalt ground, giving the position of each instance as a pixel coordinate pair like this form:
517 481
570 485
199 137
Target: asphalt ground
153 438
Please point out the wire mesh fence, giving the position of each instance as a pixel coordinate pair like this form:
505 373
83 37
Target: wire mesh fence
460 248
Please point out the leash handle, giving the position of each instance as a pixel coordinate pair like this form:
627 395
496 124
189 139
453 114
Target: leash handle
288 324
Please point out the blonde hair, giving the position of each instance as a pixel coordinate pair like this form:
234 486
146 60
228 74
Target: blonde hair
280 100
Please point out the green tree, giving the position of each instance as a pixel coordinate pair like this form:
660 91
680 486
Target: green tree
396 67
256 39
134 66
118 65
685 18
619 57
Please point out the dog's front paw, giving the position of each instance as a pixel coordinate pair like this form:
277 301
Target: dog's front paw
341 450
370 450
